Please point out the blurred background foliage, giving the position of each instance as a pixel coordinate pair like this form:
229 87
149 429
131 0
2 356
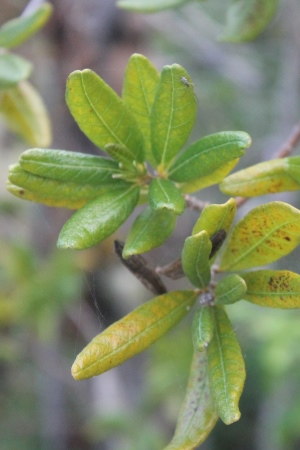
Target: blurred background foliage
52 303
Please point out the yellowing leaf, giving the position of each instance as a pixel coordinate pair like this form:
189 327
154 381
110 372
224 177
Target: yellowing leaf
273 288
265 178
197 416
25 114
226 368
132 334
267 233
216 217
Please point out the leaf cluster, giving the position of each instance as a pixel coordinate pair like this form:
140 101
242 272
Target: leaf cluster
20 104
145 134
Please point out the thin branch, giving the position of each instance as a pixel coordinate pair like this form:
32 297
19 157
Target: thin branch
290 143
138 266
172 270
194 203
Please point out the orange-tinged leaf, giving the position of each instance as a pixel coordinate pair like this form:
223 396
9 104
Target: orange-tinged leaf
267 233
197 416
226 368
273 288
132 334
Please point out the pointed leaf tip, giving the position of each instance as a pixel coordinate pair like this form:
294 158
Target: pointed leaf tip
132 334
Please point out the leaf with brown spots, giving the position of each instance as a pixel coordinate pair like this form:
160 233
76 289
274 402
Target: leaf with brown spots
266 234
273 288
278 175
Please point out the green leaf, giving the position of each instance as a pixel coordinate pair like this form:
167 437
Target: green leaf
164 194
226 368
28 186
25 114
62 165
208 154
150 5
150 229
197 416
216 217
120 154
230 290
209 180
273 288
266 234
140 84
247 19
132 334
13 69
99 218
203 328
195 259
173 114
264 178
101 114
16 31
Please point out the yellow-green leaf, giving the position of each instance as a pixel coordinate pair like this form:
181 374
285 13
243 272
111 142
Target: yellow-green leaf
197 416
25 114
208 154
132 334
213 178
266 234
226 368
173 114
140 84
195 259
16 31
216 217
273 288
101 114
203 328
265 178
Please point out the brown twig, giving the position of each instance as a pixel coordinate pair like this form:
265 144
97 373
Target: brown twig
194 203
138 266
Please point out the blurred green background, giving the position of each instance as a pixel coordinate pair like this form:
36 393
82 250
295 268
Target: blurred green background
52 303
